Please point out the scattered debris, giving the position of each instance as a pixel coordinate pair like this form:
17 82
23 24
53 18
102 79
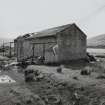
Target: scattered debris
90 57
33 75
86 71
6 79
76 98
41 59
76 78
81 88
29 75
59 69
10 66
53 100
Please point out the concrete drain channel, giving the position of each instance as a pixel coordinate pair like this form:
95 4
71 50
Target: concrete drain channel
6 79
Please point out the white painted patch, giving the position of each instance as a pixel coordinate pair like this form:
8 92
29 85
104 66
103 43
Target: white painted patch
6 79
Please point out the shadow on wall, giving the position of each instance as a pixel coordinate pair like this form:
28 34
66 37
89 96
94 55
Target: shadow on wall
76 64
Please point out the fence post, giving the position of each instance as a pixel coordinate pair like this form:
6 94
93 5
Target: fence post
3 48
33 48
44 50
10 50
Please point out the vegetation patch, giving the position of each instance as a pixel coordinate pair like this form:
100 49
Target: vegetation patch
100 77
86 71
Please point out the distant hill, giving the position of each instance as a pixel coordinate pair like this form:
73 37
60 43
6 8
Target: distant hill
96 42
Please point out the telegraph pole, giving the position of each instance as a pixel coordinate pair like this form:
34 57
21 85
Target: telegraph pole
3 48
10 50
33 51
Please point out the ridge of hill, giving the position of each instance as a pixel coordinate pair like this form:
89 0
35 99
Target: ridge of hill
96 42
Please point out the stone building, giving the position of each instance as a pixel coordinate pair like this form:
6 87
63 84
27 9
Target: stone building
58 44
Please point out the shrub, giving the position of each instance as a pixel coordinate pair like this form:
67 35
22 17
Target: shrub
76 78
59 70
86 71
100 77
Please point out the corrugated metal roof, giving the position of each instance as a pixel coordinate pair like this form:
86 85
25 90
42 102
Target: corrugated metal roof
51 31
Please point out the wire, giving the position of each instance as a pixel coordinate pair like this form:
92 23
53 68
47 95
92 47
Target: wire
94 13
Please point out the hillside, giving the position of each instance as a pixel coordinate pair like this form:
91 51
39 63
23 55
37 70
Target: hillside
97 41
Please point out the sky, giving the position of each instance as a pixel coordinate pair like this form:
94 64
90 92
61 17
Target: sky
18 17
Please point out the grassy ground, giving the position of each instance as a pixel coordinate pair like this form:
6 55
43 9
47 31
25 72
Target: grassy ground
66 88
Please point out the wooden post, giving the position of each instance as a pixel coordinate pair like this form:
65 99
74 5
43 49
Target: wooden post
17 50
3 48
44 50
10 53
33 48
14 49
